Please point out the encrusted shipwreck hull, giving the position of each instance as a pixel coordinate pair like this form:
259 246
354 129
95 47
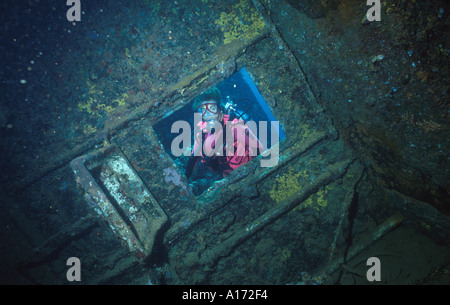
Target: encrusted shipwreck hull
115 191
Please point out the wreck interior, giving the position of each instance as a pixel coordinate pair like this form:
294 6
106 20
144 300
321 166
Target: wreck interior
363 152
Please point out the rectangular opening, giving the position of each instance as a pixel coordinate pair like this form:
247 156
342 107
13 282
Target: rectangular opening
239 103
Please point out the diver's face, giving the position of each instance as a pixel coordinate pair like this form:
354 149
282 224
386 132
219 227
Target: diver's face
210 111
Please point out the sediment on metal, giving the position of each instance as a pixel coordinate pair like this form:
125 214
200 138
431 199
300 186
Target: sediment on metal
249 174
334 171
125 203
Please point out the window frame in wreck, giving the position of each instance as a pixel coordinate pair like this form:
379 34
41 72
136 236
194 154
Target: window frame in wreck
187 108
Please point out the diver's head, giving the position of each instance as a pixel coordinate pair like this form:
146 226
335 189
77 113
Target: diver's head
209 105
210 111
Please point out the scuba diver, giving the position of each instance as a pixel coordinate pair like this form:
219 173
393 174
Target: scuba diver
232 152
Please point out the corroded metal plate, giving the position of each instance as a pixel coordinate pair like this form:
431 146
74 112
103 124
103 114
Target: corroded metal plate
115 191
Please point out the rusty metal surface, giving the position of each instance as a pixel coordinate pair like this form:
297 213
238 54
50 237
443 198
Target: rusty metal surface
119 196
259 225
